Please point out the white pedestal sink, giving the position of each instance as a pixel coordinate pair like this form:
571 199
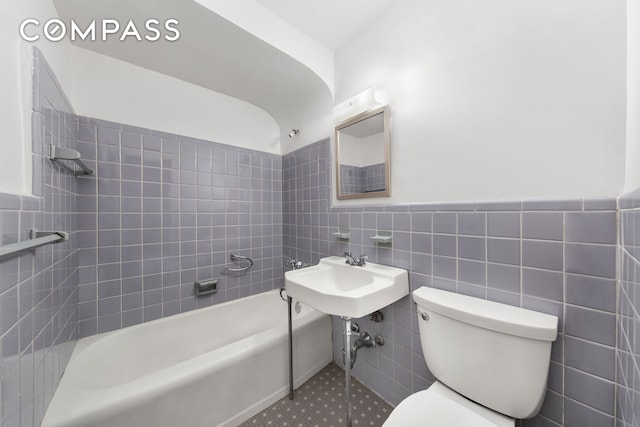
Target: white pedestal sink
337 288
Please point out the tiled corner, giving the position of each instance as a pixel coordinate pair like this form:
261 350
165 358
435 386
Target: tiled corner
628 351
38 294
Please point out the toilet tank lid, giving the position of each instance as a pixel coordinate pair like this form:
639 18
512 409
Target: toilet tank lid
488 314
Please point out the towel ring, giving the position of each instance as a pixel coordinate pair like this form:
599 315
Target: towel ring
234 258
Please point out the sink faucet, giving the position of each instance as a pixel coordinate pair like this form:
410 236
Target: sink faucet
360 262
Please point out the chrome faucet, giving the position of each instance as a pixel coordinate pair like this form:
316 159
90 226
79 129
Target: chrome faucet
295 264
360 262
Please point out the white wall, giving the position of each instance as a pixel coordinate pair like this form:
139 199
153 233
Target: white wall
114 90
15 89
372 149
497 99
361 152
632 177
315 123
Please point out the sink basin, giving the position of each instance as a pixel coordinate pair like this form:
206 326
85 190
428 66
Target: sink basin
337 288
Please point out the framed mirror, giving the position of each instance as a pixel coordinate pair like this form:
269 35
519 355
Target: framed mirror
363 163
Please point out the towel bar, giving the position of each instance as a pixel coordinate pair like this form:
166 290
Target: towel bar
36 239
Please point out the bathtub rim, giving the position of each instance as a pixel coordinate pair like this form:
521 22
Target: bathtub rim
104 400
86 341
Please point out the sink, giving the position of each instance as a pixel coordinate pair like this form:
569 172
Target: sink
335 287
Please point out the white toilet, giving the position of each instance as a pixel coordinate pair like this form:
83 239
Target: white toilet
490 361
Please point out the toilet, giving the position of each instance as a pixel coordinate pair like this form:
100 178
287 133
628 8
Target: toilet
490 361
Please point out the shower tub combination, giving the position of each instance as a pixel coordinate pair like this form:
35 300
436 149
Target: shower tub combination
216 366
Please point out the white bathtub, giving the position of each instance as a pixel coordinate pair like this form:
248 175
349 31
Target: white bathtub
216 366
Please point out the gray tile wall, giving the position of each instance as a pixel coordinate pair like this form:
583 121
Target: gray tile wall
372 177
38 289
164 210
553 256
355 180
350 180
628 380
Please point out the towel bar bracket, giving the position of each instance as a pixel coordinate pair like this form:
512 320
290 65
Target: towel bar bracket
35 234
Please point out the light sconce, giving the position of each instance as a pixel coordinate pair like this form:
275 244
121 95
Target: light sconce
368 99
294 132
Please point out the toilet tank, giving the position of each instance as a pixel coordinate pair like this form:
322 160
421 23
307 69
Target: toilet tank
494 354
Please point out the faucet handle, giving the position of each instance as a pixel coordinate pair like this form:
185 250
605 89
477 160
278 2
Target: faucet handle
350 259
362 260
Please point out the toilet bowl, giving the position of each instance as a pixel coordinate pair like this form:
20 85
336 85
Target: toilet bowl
490 362
439 406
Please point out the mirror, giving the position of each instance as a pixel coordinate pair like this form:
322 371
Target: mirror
363 166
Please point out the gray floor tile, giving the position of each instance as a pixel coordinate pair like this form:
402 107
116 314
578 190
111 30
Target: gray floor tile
321 402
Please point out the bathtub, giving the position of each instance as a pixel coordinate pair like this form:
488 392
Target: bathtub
215 366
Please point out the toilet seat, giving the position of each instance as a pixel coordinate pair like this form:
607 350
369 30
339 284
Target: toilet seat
439 406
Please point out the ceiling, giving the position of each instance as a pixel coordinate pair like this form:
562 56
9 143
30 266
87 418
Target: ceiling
331 22
218 55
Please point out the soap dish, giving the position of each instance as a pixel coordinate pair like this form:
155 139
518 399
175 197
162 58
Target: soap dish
342 235
381 238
